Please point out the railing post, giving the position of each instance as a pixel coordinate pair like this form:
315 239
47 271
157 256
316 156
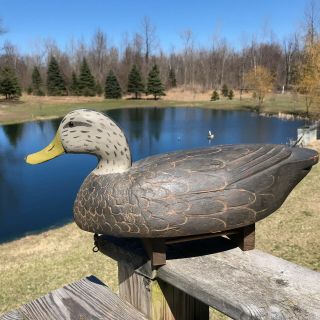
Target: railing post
157 299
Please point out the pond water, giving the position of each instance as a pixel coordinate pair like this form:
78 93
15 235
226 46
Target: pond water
34 198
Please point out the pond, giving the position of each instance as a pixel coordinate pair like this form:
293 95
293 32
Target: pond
34 198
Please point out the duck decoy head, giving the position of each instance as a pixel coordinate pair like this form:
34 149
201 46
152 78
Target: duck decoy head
87 131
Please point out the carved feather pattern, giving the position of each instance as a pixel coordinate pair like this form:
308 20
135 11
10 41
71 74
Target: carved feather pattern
192 192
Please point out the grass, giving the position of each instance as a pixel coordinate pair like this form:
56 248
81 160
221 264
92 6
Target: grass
30 108
36 264
293 232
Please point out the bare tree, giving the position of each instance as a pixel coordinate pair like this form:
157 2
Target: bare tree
311 24
188 43
205 67
99 56
149 39
290 49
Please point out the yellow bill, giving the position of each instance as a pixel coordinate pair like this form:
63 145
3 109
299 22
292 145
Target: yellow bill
53 150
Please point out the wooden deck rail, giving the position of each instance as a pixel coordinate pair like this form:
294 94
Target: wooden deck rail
86 299
213 272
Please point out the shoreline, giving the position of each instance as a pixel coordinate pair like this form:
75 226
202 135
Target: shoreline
179 104
34 108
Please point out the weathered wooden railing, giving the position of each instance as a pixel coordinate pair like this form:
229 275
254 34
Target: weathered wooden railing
213 272
199 274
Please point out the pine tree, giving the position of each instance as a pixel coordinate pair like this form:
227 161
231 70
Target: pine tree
215 95
155 87
55 82
74 88
225 90
112 87
9 85
87 84
135 84
37 82
172 82
230 94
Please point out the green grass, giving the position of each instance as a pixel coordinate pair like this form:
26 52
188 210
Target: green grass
34 265
33 108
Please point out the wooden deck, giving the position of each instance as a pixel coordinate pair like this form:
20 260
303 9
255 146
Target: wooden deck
86 299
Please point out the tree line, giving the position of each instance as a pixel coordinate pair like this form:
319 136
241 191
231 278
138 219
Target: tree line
83 85
92 69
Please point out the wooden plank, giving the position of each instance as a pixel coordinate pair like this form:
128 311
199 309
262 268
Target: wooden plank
134 288
242 284
156 299
248 285
12 315
87 298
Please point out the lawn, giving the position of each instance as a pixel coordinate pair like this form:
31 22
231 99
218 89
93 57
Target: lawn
34 265
30 108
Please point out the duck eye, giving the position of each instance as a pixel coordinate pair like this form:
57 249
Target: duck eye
71 124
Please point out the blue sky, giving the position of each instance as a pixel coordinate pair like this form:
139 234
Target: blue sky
236 21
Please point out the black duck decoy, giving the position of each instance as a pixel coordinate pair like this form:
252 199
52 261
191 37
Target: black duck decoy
178 194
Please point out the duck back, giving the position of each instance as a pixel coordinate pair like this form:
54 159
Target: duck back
192 192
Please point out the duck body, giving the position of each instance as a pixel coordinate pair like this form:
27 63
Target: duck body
192 192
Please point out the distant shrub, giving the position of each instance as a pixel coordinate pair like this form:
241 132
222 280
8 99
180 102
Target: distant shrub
99 89
230 94
29 90
225 90
215 95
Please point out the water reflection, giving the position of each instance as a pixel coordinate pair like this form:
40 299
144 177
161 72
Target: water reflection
55 124
37 197
13 133
155 117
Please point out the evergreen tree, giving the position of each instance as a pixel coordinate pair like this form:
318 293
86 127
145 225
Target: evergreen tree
135 84
37 82
215 95
87 84
74 88
9 85
55 82
112 87
155 86
225 90
172 82
230 94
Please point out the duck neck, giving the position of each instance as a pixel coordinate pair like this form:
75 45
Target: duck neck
113 156
111 165
112 149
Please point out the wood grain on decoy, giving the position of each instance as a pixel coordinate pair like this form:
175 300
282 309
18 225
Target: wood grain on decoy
176 194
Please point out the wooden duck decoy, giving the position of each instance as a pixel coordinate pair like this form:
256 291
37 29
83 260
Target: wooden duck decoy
179 195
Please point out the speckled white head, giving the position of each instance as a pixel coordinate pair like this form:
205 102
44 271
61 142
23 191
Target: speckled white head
87 131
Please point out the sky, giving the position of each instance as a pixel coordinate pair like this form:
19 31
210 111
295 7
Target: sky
237 21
